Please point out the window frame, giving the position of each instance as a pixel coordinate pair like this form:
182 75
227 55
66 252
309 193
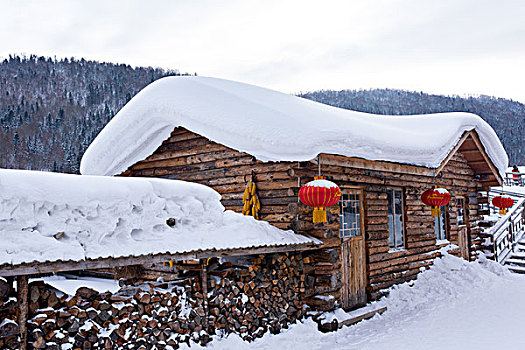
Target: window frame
360 191
446 218
462 199
342 222
403 216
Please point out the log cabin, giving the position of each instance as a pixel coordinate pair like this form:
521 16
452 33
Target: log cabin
224 134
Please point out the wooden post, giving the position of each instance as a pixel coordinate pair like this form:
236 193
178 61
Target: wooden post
23 296
204 284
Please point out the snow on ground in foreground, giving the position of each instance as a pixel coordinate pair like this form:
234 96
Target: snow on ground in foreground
454 305
69 285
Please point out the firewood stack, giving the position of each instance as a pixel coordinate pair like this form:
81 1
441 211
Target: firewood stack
8 310
264 297
262 294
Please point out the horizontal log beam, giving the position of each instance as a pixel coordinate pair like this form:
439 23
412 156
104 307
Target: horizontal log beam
103 263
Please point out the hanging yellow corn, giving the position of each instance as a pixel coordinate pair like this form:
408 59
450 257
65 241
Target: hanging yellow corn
251 204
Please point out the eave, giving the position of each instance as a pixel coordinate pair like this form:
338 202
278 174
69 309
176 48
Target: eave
477 158
36 268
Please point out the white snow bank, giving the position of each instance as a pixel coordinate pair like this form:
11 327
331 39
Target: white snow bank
273 126
454 305
116 217
69 285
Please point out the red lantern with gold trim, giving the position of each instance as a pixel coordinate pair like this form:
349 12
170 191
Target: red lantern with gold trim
502 202
436 197
319 194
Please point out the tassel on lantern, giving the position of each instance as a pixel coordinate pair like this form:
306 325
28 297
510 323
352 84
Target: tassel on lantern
435 211
319 215
503 211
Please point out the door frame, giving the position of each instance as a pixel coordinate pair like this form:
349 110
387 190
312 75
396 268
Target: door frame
346 242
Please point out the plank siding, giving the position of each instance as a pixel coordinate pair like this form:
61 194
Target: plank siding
190 157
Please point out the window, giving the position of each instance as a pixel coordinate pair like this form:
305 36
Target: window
396 228
441 225
460 210
349 215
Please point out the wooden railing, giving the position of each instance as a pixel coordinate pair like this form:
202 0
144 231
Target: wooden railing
514 179
508 231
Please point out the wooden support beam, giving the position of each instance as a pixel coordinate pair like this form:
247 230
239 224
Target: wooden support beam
204 284
362 317
104 263
335 325
360 163
23 298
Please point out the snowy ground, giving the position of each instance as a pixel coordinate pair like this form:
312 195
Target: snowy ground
454 305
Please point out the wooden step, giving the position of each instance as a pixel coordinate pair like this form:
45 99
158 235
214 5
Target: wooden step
512 261
486 223
518 255
335 325
520 248
516 269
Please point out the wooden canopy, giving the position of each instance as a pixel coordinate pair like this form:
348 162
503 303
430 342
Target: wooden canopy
474 152
35 268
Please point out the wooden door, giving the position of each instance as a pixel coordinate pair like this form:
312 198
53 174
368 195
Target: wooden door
463 223
463 243
353 252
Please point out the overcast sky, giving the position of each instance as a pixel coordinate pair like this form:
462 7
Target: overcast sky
448 47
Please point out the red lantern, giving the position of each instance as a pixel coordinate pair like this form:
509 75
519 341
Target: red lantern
502 202
319 194
436 197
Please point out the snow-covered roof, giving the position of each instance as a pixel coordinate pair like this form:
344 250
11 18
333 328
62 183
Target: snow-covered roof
119 217
273 126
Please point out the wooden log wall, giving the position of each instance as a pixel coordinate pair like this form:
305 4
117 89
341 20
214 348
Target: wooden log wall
191 157
386 266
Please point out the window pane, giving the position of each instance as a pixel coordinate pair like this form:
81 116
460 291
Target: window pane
396 237
437 228
443 222
349 216
460 210
399 218
440 224
399 231
391 223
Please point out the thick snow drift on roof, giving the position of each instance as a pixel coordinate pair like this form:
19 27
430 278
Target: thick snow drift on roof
274 126
116 216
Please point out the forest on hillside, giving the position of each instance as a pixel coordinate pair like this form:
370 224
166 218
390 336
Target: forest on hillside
506 117
51 110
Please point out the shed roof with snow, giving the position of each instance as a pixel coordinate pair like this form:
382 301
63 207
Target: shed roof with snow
273 126
50 217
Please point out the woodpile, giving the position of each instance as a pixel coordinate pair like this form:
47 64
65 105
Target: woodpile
251 296
264 297
8 315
